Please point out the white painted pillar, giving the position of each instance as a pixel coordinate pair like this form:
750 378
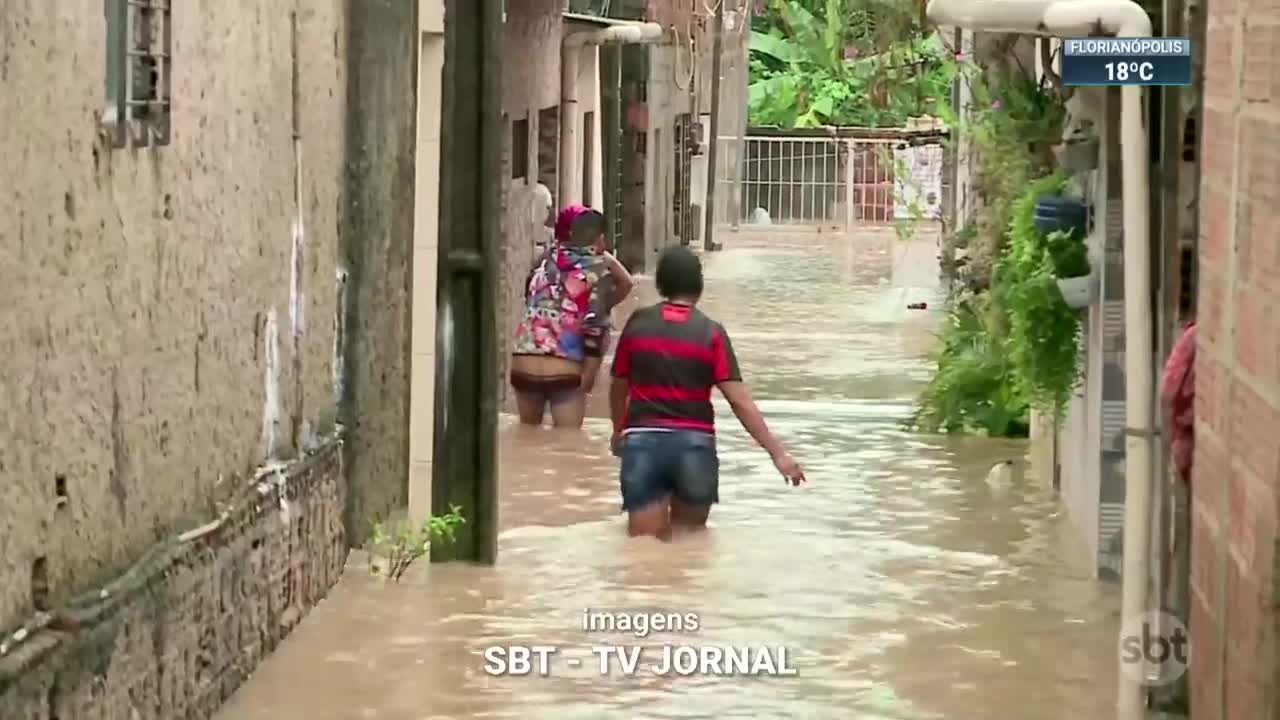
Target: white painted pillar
426 231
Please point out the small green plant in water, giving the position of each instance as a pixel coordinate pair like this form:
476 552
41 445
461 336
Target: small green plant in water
394 546
973 389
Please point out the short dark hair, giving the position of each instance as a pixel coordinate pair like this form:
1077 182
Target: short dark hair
679 273
587 227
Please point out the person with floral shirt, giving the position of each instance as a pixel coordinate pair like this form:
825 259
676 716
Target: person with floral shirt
561 340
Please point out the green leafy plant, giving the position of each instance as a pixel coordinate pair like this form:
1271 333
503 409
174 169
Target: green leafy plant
1012 125
952 265
868 63
1010 340
1043 341
973 389
393 547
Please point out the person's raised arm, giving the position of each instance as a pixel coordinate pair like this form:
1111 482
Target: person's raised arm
728 378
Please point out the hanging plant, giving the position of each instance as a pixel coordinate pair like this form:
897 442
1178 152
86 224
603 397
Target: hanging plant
973 389
1012 342
1043 339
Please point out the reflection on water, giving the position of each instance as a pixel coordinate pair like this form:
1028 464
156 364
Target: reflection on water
901 585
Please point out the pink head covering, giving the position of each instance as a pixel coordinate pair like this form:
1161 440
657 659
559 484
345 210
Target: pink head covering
564 221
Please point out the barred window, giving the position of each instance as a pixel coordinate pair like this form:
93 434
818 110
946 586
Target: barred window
138 71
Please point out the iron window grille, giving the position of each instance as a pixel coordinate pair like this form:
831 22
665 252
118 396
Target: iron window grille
139 67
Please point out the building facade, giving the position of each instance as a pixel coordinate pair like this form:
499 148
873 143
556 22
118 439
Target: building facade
640 129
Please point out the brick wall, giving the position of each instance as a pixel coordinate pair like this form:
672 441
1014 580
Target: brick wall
1233 618
178 633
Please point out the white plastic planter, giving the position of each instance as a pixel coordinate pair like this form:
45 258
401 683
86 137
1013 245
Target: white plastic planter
1079 292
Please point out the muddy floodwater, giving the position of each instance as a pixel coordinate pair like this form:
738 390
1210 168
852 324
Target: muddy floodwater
900 583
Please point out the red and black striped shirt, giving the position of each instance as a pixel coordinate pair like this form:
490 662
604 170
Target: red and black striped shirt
672 356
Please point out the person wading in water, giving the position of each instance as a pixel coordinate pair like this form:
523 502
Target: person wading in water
668 359
560 343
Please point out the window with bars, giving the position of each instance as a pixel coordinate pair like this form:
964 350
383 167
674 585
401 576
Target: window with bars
138 71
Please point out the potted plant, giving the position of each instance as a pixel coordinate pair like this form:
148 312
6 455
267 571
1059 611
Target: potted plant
1077 283
1055 212
1061 224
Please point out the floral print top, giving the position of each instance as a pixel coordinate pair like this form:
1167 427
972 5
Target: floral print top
566 305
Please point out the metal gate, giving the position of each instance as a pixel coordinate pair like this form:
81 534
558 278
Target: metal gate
828 183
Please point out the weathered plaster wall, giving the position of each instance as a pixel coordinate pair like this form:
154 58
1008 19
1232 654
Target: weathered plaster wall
179 633
530 82
377 252
174 318
145 294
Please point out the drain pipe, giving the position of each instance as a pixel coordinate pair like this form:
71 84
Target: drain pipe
1122 18
623 33
1126 19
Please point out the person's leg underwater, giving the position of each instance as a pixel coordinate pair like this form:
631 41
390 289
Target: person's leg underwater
530 407
695 479
568 408
646 497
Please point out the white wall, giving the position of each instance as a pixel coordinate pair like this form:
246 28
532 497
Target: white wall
426 234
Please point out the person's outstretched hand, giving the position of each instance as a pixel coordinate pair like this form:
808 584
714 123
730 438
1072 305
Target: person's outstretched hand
791 471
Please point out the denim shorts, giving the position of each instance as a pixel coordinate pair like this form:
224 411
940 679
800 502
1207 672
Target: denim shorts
656 464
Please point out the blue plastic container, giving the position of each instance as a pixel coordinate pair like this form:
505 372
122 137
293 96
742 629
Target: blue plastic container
1059 213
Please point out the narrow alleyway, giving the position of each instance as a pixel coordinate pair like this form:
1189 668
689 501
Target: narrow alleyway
902 584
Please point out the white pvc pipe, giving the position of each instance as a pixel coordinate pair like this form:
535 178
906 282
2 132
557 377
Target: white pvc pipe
1122 18
633 33
1126 19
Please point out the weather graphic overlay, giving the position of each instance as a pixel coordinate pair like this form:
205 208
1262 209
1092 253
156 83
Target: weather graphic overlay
1126 61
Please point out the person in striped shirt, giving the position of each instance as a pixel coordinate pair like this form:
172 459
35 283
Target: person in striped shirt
668 358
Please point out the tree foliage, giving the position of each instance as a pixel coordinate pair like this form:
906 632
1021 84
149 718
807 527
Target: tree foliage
869 63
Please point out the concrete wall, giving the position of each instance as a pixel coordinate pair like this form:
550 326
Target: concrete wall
1236 477
589 102
666 98
377 253
177 317
156 347
531 82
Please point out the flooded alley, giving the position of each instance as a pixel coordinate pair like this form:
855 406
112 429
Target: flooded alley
902 585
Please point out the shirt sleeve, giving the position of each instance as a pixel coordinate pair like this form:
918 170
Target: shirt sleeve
726 362
622 356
